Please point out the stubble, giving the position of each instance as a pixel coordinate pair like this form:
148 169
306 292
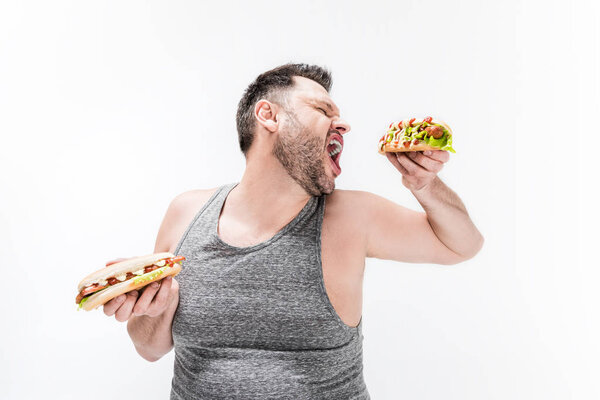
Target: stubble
301 154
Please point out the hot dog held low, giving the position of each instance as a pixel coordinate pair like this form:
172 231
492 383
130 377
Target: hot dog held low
109 282
416 135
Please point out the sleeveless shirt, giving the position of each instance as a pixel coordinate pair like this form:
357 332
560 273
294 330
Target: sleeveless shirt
256 322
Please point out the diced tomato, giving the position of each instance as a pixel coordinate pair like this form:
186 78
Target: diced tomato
112 281
406 144
411 121
174 260
150 268
428 120
89 290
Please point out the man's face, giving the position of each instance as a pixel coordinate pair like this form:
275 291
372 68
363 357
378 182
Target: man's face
311 132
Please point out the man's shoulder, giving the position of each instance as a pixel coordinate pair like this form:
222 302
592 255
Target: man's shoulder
346 218
351 206
347 200
187 204
356 208
362 206
180 213
195 198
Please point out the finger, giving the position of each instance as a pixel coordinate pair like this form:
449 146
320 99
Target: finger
113 305
124 312
144 301
394 161
159 303
438 155
410 166
429 164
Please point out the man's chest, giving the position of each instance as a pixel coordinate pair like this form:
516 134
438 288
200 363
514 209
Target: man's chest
342 256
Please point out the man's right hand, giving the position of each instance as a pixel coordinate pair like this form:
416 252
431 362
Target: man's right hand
153 300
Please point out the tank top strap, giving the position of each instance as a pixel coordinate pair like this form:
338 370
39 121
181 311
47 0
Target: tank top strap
215 204
210 212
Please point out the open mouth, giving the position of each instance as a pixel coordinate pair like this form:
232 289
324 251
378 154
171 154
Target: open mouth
334 149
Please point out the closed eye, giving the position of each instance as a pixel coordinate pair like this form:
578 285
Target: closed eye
321 109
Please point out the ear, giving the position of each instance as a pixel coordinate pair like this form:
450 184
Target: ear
265 113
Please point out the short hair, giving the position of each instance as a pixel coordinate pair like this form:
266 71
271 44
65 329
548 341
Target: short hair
273 85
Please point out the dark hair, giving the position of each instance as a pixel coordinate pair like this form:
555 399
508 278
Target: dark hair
273 85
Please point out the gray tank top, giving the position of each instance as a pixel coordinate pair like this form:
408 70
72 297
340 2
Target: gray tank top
255 322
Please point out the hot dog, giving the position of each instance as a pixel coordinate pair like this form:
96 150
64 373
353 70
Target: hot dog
416 135
107 283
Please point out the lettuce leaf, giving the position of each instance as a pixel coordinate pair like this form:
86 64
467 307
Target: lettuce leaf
150 275
86 298
411 132
82 302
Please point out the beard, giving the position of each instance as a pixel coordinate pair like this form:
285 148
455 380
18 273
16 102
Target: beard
301 154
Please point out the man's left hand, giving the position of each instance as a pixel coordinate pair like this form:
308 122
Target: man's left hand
418 168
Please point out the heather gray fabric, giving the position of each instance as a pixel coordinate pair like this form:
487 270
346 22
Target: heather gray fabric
256 322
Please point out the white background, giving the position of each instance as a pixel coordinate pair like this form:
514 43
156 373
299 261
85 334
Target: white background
108 109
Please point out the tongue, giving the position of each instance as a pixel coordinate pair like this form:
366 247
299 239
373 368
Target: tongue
336 160
331 147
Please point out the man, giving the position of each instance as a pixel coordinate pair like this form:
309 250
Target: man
269 302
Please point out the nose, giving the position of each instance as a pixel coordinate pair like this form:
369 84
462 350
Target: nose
341 126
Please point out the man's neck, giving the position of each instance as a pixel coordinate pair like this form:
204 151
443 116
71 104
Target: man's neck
266 196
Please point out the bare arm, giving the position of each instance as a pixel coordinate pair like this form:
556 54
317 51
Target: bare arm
150 318
443 234
401 234
449 219
150 314
151 335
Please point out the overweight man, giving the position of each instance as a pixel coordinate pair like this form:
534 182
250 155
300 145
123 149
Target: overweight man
269 302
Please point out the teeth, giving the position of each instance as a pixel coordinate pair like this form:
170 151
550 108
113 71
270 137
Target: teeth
338 147
334 152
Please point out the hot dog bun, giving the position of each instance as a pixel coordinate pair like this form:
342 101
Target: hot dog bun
130 265
390 148
113 291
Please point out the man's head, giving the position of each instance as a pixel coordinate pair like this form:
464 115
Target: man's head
290 106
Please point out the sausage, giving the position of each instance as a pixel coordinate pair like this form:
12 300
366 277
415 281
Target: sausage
88 290
435 131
